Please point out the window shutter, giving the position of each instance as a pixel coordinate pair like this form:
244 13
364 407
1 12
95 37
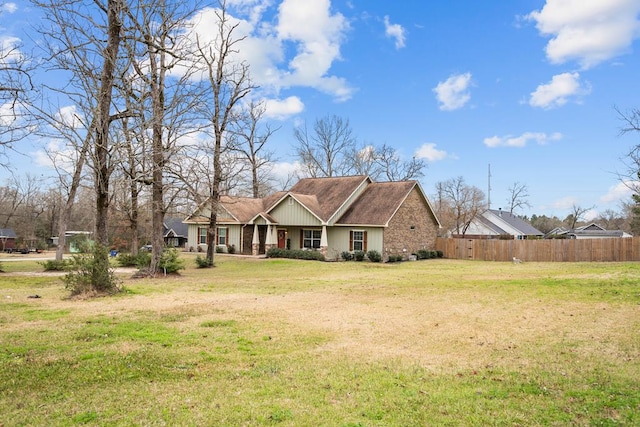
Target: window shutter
301 237
364 237
351 240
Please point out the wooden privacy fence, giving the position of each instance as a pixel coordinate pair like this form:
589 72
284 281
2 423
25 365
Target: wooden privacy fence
567 250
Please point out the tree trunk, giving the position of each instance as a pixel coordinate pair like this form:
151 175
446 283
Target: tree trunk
211 230
133 218
68 206
158 70
101 279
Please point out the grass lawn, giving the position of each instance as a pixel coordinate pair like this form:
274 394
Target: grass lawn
256 342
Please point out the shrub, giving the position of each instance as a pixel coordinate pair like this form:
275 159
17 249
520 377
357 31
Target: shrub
347 256
422 254
143 260
201 261
56 265
219 249
295 254
89 273
439 254
358 255
125 259
394 258
374 256
231 249
170 261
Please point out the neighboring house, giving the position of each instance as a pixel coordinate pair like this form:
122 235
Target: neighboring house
73 240
7 239
590 231
175 233
331 215
496 223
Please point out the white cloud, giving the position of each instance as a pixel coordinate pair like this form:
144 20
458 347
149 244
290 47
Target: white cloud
540 138
587 31
558 91
430 153
590 215
9 49
283 108
283 171
8 7
55 154
395 31
297 50
620 191
565 203
70 117
453 93
8 114
318 35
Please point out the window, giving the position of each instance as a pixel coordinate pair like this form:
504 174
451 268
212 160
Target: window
202 235
311 239
222 235
358 240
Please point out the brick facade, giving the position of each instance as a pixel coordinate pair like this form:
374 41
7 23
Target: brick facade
413 227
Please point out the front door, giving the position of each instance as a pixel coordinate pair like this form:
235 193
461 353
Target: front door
282 239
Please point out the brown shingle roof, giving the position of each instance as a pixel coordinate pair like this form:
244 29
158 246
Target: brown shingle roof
329 194
242 208
378 203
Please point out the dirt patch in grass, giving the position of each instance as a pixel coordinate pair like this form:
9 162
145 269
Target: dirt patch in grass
404 313
442 330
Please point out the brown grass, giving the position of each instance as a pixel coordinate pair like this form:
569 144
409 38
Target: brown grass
380 317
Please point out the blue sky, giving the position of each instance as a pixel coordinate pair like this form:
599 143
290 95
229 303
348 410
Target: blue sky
528 87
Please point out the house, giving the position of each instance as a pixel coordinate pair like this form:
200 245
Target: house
73 240
175 233
589 231
496 223
8 239
331 215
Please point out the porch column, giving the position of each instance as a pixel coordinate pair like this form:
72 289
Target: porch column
255 242
271 239
324 242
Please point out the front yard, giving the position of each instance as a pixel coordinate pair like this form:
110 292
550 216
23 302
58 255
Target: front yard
265 342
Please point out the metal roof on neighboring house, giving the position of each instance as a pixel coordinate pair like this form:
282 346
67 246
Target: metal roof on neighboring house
519 224
7 233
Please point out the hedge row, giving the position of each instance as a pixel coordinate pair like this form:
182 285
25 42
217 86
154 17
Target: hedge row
295 254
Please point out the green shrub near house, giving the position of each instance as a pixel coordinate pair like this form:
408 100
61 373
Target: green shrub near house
374 256
295 254
346 256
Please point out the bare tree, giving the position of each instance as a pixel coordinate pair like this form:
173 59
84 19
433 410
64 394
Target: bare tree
156 46
85 45
15 88
249 139
327 151
229 82
612 220
22 206
631 177
393 168
518 197
464 202
576 215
